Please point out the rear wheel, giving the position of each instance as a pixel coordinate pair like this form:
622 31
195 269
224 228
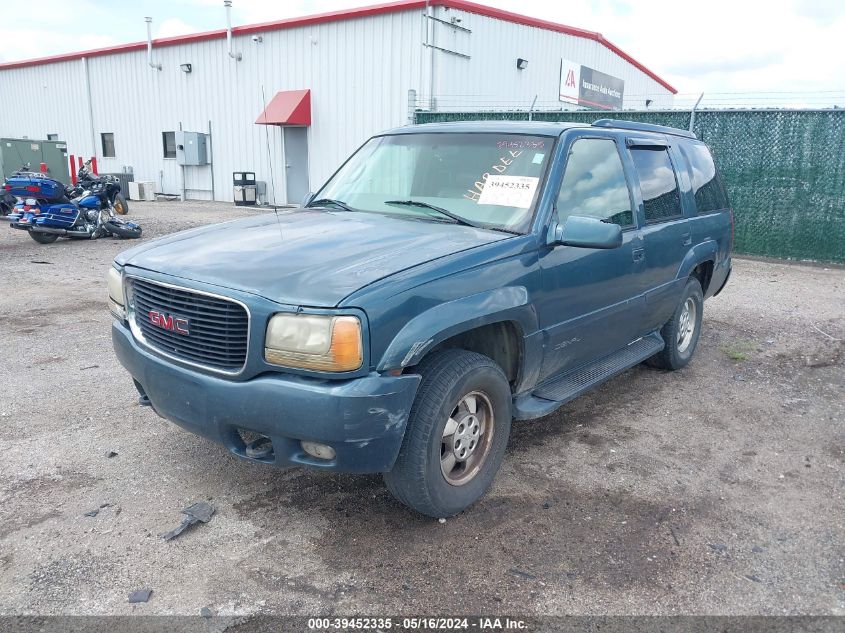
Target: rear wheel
120 205
682 331
43 238
456 436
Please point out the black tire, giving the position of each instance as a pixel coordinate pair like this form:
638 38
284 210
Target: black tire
448 378
43 238
120 205
122 229
675 354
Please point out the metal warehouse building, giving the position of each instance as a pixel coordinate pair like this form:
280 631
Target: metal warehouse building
290 99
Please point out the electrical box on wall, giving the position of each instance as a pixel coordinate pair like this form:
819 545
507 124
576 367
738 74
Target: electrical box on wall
191 148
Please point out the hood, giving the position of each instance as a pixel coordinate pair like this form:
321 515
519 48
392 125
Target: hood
307 257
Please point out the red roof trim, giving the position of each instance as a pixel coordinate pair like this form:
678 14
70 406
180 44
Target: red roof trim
348 14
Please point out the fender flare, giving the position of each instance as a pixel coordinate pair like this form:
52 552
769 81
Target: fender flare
443 321
703 252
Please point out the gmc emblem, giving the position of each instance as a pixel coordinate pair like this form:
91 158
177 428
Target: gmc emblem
170 322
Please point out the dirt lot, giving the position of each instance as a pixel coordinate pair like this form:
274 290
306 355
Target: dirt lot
714 490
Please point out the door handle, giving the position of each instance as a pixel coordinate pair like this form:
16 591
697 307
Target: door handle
638 254
687 239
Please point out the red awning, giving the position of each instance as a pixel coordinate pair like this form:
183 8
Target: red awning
288 107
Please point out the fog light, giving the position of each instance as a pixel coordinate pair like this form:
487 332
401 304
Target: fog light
320 451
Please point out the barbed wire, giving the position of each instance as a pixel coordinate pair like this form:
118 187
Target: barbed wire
791 99
696 94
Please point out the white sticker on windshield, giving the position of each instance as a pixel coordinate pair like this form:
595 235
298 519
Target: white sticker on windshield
538 158
509 191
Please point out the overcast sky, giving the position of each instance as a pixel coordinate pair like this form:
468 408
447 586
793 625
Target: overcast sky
794 49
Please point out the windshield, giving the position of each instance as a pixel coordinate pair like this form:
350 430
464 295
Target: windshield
489 180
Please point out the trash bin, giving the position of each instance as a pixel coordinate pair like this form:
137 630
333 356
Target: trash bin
245 189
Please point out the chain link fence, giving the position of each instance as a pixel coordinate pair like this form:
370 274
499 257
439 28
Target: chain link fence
784 170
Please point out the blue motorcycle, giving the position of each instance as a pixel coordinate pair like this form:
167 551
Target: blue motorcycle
47 210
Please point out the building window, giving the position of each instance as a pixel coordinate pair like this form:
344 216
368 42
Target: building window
107 139
168 141
52 137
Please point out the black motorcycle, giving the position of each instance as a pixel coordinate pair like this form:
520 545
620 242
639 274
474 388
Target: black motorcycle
7 200
110 187
7 203
100 216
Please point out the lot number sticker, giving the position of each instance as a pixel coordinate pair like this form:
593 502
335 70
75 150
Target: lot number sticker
509 191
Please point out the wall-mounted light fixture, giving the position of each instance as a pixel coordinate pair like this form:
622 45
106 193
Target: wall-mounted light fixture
648 102
522 64
186 68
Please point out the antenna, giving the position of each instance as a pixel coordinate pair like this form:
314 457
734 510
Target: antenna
267 141
270 162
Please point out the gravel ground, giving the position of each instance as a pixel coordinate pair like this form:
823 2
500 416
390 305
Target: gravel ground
714 490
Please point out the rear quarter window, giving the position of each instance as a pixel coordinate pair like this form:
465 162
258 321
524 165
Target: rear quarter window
706 181
661 197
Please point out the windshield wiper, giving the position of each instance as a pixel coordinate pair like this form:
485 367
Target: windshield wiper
324 201
425 205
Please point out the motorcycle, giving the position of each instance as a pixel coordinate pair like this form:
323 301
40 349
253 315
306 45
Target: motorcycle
7 203
48 210
7 200
86 180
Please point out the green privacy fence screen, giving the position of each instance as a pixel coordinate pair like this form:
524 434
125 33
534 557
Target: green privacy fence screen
784 170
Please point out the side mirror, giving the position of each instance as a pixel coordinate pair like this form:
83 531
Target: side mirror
307 199
584 232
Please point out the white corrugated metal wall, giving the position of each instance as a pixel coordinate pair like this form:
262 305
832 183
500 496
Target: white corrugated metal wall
490 80
359 70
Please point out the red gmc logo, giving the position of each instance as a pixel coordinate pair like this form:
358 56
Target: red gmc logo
170 322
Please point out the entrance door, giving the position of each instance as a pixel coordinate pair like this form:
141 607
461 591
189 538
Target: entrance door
296 163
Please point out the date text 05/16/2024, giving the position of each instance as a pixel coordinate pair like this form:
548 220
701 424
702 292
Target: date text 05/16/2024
417 624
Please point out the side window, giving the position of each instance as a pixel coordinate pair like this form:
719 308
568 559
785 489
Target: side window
594 184
168 144
706 184
661 198
107 142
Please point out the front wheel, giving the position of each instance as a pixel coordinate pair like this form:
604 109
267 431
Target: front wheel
457 432
120 205
43 238
119 228
682 331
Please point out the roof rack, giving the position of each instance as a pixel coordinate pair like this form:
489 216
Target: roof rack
642 127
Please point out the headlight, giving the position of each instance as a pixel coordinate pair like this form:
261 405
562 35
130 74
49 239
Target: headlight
312 341
115 280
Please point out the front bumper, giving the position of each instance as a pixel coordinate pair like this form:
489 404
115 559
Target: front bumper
362 419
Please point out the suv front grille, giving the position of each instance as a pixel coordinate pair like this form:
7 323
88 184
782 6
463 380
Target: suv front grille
205 330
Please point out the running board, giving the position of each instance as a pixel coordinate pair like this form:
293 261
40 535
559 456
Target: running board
561 389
